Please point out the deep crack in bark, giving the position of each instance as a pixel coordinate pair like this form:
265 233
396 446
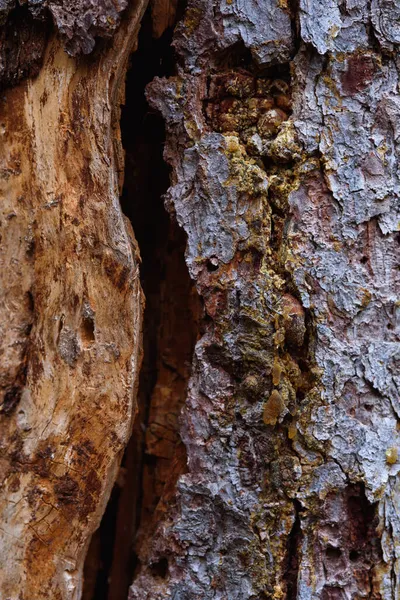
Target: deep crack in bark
154 457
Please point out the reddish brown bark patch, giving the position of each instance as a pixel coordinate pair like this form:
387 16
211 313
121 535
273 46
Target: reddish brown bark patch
358 73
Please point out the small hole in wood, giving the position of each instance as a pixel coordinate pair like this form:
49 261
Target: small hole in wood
332 552
212 265
160 568
87 330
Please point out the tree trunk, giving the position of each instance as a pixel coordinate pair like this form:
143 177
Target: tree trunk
70 314
263 462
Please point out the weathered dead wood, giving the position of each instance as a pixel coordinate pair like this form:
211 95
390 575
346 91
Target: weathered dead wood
282 135
71 312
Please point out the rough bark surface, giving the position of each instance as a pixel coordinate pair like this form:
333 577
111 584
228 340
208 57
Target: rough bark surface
79 22
282 132
280 478
71 311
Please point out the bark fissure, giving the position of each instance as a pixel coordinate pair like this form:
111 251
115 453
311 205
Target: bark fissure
155 456
293 555
266 467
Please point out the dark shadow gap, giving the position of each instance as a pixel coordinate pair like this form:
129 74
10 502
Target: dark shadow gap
293 551
169 331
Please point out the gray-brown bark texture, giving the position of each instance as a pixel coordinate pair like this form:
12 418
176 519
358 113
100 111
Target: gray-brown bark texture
282 124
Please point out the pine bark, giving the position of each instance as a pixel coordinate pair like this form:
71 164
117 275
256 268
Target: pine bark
279 479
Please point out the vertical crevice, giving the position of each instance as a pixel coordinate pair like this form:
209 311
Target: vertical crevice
169 333
293 554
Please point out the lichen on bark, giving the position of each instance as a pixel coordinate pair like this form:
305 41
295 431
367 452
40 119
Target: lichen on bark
282 136
284 179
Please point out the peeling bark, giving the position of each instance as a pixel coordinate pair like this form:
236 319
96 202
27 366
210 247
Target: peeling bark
268 468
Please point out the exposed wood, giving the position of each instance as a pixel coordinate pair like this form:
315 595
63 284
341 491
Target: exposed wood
279 478
163 14
71 313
